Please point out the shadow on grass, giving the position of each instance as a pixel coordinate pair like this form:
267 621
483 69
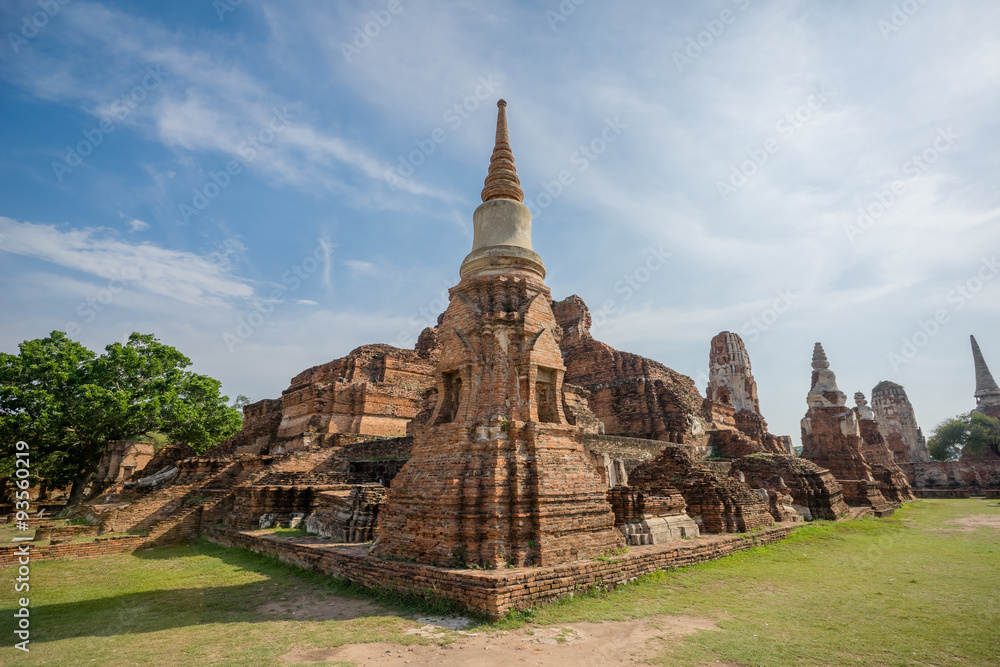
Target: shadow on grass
285 593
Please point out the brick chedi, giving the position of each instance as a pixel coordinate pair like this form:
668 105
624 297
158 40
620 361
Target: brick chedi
898 423
987 392
717 504
732 390
631 395
831 438
730 381
497 476
891 479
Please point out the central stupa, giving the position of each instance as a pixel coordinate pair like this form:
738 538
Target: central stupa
498 476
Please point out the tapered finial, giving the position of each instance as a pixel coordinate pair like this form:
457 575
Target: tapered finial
986 386
501 181
819 357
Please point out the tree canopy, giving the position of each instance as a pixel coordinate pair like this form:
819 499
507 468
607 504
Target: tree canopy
67 402
972 433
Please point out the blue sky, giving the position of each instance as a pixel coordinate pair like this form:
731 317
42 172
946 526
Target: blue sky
268 185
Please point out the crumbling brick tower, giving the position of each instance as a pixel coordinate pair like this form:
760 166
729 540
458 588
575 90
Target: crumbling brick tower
831 438
497 476
898 423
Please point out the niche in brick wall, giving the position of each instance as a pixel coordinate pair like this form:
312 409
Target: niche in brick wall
545 395
452 397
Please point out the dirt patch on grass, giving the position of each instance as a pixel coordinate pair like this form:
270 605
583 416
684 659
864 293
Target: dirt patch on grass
311 608
974 521
571 644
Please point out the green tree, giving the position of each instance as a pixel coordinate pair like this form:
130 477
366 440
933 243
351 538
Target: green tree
972 433
67 403
241 402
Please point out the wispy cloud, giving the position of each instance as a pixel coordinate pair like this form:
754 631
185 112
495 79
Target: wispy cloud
181 275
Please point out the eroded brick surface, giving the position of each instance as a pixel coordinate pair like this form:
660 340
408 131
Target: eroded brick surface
831 438
632 395
498 476
816 494
718 504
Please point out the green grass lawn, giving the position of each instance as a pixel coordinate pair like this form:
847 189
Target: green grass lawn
907 590
911 589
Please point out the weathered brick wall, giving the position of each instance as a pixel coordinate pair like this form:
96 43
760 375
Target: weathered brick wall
632 505
377 471
251 502
732 444
891 479
943 493
812 488
167 456
59 534
260 428
348 515
495 592
99 547
718 504
632 452
577 410
120 459
395 449
373 391
631 395
970 473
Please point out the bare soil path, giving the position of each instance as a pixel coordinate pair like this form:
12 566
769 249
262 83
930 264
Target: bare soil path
571 644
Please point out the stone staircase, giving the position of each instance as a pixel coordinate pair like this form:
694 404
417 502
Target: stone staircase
205 490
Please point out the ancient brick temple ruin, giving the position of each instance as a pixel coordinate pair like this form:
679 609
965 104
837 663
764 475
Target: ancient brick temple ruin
831 438
898 423
498 476
731 402
971 474
630 395
987 392
510 457
891 479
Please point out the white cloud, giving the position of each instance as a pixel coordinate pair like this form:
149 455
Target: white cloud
134 224
359 266
181 275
